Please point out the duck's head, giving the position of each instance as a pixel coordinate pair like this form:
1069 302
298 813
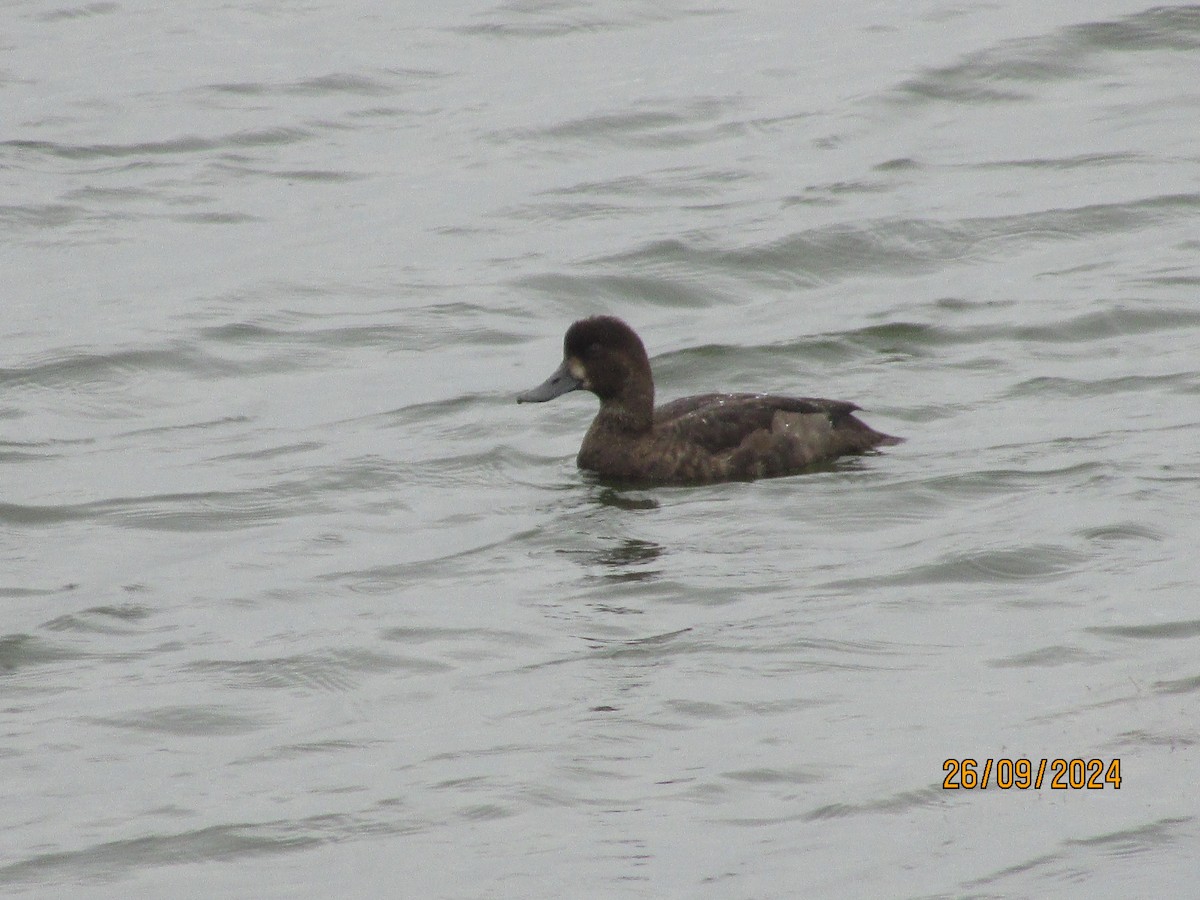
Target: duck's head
602 355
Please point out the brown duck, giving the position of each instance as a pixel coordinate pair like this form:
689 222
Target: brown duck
693 440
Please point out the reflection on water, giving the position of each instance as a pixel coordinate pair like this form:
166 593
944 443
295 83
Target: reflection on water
624 559
619 499
629 559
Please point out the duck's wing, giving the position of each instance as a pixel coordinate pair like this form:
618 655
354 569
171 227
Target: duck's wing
721 422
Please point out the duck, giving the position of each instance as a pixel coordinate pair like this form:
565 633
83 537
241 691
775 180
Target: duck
703 439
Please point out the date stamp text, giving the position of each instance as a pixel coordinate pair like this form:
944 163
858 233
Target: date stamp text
1023 774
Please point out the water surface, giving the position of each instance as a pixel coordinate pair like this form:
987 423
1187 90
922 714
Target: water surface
298 602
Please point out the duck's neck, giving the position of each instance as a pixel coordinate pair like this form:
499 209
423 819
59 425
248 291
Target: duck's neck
630 413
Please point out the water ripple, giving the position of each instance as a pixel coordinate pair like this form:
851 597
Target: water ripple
1000 566
185 144
194 721
106 860
333 83
1077 51
19 651
893 246
192 511
1154 631
335 670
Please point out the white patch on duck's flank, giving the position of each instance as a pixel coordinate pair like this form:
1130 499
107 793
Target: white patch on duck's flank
806 426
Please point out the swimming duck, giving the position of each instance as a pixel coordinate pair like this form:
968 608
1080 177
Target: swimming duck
694 440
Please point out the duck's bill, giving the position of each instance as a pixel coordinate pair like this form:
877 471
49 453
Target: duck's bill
561 382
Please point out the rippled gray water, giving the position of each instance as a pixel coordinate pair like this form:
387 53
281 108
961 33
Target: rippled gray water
298 602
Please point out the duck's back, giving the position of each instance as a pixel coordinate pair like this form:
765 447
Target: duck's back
722 437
